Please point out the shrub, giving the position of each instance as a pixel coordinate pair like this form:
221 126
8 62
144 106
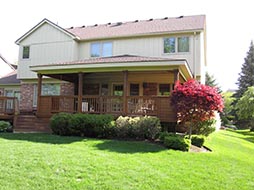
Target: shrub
197 140
150 126
4 126
123 127
99 126
164 134
177 143
61 124
137 127
89 125
204 127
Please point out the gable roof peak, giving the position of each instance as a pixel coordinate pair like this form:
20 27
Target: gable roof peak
43 21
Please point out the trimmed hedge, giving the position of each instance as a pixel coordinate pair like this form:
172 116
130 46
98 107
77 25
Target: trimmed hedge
147 127
5 126
88 125
164 134
92 125
197 140
174 141
177 143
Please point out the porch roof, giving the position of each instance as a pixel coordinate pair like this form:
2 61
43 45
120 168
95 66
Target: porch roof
115 63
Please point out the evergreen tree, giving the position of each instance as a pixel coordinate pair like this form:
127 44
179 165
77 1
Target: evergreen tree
211 81
246 77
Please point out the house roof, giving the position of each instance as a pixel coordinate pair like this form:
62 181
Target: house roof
73 36
138 28
128 29
10 78
112 59
12 66
115 63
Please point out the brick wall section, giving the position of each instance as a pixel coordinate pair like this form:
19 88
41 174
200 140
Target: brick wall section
67 89
26 97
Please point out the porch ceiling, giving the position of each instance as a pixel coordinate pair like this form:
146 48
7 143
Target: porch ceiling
65 71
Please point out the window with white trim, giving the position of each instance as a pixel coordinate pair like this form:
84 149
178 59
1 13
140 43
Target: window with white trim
101 49
46 90
26 52
183 44
176 44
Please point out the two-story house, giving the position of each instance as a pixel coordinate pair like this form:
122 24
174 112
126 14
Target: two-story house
123 68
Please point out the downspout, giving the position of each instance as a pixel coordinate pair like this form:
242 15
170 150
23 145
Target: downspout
194 55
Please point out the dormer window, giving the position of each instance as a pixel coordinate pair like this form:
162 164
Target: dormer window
176 45
26 52
101 49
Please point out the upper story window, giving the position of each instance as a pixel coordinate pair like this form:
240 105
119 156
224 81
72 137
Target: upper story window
183 44
176 44
169 45
26 52
101 49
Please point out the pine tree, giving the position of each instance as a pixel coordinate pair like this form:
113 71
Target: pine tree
246 77
211 81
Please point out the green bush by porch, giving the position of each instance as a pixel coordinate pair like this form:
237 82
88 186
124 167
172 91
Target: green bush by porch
104 126
89 125
4 126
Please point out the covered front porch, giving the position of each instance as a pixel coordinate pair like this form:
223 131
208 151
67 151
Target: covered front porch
122 89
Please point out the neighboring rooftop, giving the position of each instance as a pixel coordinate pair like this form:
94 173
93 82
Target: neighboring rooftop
142 27
10 78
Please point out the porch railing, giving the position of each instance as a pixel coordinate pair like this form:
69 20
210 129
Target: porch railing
136 105
8 106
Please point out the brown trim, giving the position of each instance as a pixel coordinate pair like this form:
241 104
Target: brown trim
39 91
125 91
80 92
176 75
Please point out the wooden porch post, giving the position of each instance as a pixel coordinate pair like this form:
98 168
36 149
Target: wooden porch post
176 75
125 91
39 86
80 92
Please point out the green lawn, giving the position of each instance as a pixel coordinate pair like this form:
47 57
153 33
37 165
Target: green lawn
41 161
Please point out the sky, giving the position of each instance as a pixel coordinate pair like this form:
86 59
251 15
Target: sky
230 26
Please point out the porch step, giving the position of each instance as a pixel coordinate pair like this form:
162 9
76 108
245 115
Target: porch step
31 123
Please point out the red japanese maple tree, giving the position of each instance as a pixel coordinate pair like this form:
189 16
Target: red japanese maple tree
195 102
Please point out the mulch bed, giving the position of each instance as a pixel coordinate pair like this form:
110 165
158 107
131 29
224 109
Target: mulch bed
198 149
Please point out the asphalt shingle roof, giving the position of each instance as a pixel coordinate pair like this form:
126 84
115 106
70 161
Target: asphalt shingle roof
10 78
143 27
114 59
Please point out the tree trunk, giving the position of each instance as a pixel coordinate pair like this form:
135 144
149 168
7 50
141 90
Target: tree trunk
190 132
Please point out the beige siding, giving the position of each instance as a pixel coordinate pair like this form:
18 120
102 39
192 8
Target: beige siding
50 45
152 46
47 45
45 34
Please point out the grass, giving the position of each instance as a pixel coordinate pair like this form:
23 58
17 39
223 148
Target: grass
42 161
